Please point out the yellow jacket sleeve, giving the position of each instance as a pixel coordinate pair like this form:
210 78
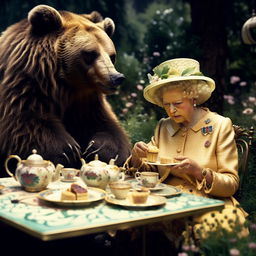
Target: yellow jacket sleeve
225 179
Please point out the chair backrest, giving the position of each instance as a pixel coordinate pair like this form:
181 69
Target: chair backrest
243 137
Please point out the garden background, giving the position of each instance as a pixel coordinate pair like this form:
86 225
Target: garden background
151 31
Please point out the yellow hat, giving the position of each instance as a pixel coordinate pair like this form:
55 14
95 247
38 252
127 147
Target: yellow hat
173 71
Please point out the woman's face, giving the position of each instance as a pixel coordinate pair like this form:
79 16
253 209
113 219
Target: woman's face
178 108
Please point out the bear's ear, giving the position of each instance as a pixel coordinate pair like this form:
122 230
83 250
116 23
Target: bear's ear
44 19
93 17
108 25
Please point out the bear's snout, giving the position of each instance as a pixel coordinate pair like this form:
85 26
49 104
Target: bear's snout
117 79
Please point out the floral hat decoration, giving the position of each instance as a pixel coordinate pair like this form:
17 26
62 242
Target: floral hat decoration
175 70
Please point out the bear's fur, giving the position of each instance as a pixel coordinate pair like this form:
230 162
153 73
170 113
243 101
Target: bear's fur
55 69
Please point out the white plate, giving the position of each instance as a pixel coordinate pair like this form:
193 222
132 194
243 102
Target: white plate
54 195
153 200
168 191
159 164
159 186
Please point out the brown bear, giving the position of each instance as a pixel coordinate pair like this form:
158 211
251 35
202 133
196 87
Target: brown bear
56 68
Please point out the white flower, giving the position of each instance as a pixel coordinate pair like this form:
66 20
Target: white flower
248 111
167 11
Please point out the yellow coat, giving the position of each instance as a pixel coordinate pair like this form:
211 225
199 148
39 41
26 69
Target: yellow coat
215 149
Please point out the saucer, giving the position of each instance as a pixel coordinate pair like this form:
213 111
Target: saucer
168 191
69 180
159 186
153 200
159 164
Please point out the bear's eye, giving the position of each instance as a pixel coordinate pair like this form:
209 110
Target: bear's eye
90 56
113 58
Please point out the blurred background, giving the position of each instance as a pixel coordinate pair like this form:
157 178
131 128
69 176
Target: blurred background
151 31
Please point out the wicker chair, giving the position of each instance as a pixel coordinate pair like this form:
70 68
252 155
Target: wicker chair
243 137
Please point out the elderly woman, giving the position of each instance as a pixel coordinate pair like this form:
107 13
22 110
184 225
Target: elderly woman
202 142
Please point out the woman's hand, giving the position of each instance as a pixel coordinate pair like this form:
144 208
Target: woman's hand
140 150
189 167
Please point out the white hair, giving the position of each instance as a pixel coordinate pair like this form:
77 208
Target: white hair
191 89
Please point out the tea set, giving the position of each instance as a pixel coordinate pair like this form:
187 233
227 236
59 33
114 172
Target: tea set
34 174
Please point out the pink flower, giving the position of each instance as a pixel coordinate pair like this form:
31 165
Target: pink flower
234 79
253 226
243 83
139 87
252 99
182 254
156 54
129 104
185 247
231 101
134 95
125 110
234 252
145 60
252 245
248 111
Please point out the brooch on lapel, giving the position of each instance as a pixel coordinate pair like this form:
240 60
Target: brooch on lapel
207 121
207 144
207 129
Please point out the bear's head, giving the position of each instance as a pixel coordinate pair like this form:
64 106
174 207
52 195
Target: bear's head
58 47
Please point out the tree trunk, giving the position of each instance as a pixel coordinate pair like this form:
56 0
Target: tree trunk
209 25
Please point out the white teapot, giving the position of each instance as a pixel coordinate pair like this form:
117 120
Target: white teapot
35 173
98 174
114 172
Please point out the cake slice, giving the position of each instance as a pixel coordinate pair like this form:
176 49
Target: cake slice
80 192
68 195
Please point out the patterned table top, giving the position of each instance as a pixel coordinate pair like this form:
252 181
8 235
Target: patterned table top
49 222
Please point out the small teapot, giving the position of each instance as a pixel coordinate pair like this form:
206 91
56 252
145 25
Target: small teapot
114 172
98 174
35 173
95 173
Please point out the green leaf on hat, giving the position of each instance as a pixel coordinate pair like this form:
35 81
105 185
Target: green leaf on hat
197 74
165 70
164 76
157 71
188 71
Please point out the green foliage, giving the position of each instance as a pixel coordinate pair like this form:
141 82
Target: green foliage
140 125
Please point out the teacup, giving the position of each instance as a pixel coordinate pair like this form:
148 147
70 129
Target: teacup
147 179
69 174
120 189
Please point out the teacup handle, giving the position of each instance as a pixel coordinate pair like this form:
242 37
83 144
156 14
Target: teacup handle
6 164
137 176
121 176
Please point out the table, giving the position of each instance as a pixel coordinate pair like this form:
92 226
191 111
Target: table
50 223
